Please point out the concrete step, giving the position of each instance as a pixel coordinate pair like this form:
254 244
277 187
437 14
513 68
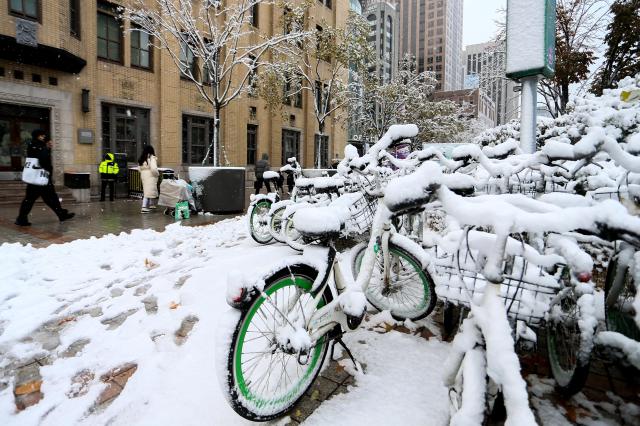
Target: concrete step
12 193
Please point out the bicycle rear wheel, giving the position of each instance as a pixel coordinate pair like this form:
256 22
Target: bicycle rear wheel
619 312
410 292
568 344
264 379
258 225
275 224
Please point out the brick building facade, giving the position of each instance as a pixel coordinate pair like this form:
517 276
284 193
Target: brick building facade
74 69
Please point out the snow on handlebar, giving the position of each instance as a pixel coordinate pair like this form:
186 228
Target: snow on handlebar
510 213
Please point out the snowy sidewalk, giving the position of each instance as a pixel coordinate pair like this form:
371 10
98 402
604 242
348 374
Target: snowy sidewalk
92 219
121 330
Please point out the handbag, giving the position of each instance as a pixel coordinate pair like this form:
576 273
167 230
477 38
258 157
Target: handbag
33 174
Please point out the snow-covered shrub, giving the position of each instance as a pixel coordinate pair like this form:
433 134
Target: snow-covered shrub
620 119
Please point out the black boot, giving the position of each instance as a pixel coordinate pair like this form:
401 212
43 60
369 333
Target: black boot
66 215
22 222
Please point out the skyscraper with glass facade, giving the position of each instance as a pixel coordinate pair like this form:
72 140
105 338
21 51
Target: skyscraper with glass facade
431 31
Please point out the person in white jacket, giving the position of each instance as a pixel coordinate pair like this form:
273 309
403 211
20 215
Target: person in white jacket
149 175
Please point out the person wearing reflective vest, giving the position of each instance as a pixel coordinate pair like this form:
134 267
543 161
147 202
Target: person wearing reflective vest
108 172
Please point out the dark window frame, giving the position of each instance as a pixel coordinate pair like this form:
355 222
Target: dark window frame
110 12
188 125
21 14
75 26
252 143
109 127
327 3
136 30
255 15
194 62
295 152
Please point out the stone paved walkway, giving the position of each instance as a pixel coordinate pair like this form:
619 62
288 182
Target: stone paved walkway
92 219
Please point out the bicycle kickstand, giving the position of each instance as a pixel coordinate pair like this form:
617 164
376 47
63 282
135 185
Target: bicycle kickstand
338 340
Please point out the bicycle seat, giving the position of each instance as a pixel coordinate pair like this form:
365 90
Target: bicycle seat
325 222
304 183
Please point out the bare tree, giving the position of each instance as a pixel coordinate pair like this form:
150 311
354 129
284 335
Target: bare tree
326 68
407 99
213 44
579 28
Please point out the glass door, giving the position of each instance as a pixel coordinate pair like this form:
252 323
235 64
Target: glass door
16 124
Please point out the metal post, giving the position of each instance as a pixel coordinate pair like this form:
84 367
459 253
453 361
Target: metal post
528 114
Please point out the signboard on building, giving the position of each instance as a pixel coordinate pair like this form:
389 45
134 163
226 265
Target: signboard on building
85 136
531 38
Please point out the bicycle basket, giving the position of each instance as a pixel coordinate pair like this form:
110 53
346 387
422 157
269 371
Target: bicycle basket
526 290
361 214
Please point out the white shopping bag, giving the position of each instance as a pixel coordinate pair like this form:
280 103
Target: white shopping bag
33 174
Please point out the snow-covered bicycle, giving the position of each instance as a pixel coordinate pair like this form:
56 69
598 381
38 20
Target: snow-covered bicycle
483 362
284 321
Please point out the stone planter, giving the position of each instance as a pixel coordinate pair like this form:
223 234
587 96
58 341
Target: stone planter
219 189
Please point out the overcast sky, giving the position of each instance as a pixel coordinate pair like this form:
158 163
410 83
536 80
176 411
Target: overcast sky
478 20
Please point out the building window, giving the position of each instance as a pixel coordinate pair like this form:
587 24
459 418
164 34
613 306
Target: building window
188 67
141 53
293 91
74 18
18 75
321 152
290 145
327 3
253 113
196 137
255 15
124 130
28 9
109 33
253 76
252 143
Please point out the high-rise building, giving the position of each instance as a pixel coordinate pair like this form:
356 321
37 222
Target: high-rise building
484 67
383 18
431 31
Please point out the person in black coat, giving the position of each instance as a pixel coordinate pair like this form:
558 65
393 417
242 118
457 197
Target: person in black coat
40 148
261 167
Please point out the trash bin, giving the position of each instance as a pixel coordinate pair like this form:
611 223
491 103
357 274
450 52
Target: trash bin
80 185
219 189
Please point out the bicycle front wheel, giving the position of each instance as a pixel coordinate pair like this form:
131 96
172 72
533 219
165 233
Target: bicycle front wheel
258 224
568 346
265 379
409 292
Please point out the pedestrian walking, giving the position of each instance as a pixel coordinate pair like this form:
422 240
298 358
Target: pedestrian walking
108 173
149 175
40 148
261 167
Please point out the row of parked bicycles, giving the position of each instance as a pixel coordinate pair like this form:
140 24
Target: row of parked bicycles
506 241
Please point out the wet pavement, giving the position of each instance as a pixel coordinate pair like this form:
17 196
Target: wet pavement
92 219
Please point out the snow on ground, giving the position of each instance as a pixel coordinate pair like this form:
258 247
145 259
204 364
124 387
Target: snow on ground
127 296
183 271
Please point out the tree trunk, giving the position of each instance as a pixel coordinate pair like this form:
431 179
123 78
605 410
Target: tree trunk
564 97
214 145
320 140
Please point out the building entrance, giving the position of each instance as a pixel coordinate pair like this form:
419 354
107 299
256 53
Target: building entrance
16 124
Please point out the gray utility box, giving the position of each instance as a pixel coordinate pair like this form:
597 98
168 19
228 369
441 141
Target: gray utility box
219 189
